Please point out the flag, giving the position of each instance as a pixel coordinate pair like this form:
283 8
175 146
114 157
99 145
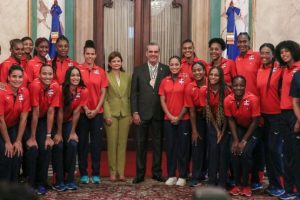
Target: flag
231 37
56 29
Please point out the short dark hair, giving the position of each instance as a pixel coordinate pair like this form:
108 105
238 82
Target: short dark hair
14 42
45 65
26 38
38 41
176 57
113 55
291 46
219 41
15 67
201 64
187 41
269 45
238 77
246 34
152 44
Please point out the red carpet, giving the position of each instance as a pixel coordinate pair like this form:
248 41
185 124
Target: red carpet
130 164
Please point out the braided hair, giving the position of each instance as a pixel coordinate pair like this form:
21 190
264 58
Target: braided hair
219 116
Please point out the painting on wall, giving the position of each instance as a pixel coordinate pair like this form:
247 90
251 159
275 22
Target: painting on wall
241 19
45 10
234 19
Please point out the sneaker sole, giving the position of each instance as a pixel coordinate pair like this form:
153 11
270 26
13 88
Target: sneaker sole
258 188
195 185
277 195
59 190
171 183
84 182
181 185
71 188
95 182
40 193
289 198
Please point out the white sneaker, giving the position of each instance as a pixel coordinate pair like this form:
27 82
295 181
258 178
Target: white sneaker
171 181
181 182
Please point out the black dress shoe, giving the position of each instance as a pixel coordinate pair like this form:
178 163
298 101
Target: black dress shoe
158 178
137 180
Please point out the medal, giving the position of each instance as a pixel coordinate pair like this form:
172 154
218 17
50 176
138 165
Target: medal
153 73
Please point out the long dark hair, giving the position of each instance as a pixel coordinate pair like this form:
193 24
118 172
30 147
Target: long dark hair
272 48
61 38
220 117
66 86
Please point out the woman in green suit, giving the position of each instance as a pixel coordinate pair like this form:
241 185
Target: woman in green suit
117 115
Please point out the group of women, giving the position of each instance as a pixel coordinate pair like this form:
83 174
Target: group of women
230 118
52 110
241 117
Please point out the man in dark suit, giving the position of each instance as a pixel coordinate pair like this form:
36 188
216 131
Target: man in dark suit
147 112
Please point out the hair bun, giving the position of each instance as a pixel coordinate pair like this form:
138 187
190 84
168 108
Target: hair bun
89 44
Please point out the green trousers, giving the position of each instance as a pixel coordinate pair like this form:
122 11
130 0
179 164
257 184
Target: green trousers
117 135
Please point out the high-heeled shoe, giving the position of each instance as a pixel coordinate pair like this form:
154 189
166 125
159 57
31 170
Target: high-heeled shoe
113 178
122 178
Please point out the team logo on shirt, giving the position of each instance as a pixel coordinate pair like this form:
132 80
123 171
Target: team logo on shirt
251 57
223 66
274 69
96 71
21 97
181 81
77 96
50 92
70 64
247 103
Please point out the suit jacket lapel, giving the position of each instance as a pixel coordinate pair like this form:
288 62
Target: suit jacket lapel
147 74
159 75
114 82
123 82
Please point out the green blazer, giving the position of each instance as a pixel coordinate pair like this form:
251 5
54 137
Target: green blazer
117 99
